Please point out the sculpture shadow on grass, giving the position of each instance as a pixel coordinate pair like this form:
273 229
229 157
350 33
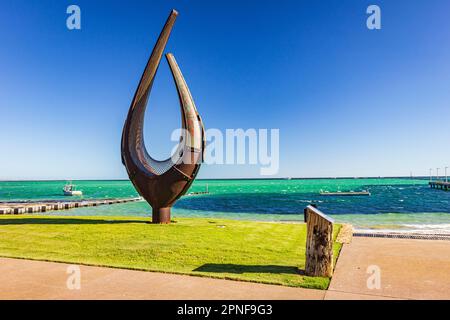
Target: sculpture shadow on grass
240 269
63 221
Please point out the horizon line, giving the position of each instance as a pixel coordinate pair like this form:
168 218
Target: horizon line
206 179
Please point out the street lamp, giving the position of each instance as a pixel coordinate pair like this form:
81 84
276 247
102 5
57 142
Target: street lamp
446 174
437 174
431 175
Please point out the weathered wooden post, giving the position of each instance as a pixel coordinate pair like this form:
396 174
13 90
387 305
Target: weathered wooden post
319 243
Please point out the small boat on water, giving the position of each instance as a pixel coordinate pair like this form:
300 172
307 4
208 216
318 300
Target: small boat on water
70 190
198 193
348 193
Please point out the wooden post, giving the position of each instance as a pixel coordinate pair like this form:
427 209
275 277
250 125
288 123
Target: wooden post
319 243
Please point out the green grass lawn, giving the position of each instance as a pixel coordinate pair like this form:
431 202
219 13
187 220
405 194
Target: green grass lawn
243 250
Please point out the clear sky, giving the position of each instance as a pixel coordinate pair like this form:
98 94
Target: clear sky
348 101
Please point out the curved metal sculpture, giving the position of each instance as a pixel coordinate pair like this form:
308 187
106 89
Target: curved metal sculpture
161 183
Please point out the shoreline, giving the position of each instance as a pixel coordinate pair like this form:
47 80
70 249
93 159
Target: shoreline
395 205
391 228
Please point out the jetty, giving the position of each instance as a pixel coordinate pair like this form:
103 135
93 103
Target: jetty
197 193
349 193
443 185
24 207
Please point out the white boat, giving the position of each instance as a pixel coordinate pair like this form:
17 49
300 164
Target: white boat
69 190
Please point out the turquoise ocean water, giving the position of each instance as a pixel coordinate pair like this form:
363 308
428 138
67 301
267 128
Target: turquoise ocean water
406 204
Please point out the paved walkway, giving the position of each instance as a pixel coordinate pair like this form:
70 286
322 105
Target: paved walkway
25 279
409 269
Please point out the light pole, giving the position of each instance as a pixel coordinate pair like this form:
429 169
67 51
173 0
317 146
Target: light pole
431 175
437 174
446 174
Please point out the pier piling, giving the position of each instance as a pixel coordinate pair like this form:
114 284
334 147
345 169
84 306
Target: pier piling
440 185
319 243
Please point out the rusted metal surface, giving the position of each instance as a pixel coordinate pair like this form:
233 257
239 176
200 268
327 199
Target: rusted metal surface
161 183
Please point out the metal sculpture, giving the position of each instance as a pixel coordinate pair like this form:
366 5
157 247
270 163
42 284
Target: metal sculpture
162 183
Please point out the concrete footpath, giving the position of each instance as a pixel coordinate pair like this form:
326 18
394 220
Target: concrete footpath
395 268
25 279
383 268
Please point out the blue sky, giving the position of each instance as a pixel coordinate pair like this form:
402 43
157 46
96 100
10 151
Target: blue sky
348 101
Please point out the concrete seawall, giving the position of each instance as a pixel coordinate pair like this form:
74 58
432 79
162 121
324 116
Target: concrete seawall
26 207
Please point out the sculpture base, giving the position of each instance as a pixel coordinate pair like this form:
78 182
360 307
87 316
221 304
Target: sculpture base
161 215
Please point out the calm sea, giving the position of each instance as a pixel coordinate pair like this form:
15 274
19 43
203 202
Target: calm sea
406 204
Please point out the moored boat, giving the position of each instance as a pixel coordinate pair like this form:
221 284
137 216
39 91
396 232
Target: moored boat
70 190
